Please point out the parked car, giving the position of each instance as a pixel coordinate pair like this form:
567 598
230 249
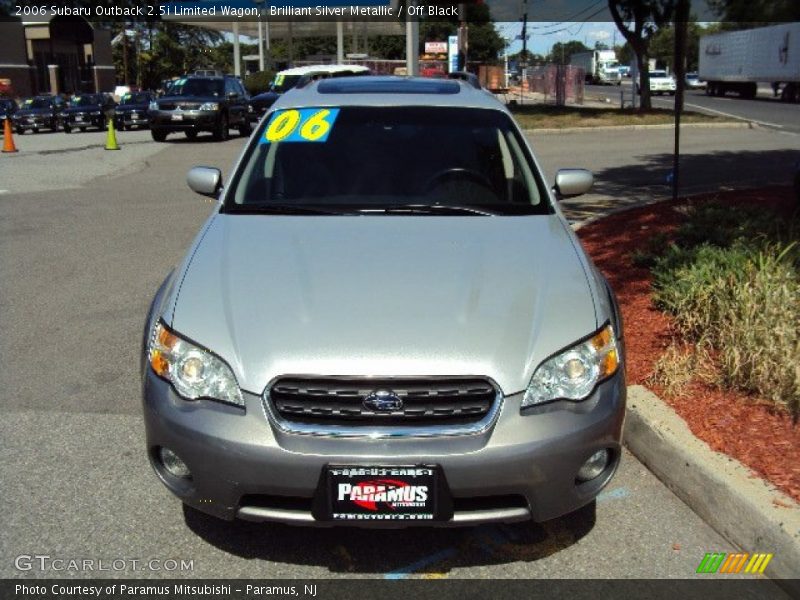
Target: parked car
624 71
693 81
365 332
660 83
8 107
289 78
38 113
132 110
87 110
199 103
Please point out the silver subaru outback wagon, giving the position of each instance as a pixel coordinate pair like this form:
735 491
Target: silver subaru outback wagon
386 321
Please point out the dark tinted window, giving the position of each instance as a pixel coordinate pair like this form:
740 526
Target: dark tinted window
136 98
87 100
379 157
197 87
283 83
41 103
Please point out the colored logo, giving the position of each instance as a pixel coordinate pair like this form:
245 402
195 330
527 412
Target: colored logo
393 493
300 125
383 401
738 562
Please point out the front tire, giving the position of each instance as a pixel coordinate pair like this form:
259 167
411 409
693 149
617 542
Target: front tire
221 131
192 135
245 129
67 129
158 135
20 131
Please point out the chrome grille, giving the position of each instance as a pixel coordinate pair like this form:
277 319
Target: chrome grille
341 400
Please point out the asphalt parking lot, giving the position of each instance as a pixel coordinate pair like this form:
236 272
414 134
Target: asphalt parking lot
86 236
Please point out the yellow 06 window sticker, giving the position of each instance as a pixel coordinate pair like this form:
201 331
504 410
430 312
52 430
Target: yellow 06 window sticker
300 125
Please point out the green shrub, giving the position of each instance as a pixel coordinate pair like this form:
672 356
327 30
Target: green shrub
258 82
743 302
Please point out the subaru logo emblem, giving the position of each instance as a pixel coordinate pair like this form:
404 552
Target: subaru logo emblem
383 401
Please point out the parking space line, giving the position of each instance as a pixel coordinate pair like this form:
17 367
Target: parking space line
615 494
725 114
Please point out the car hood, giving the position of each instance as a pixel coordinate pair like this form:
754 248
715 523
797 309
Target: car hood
265 97
384 295
191 99
131 107
82 109
29 112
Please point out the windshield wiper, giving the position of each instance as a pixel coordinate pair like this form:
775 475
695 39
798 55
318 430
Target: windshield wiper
428 209
282 209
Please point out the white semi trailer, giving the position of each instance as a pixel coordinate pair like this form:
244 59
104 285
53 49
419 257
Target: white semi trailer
737 61
600 66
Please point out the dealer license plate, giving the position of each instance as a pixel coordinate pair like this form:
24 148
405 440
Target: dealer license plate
177 117
79 118
366 493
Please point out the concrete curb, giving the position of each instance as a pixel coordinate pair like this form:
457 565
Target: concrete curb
744 509
709 125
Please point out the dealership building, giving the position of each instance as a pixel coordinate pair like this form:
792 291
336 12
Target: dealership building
55 55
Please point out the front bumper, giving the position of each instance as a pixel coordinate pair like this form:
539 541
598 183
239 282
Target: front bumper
132 119
191 120
84 120
244 466
34 122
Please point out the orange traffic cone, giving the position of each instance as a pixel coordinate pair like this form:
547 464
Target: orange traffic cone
8 139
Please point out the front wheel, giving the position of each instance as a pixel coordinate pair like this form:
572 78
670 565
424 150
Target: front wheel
245 129
83 129
192 135
672 93
67 129
158 135
221 130
20 131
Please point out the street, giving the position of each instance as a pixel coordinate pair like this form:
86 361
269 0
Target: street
764 110
86 236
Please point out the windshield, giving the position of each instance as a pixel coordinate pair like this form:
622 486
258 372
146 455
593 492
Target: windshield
37 103
283 83
197 87
658 73
140 98
85 100
379 158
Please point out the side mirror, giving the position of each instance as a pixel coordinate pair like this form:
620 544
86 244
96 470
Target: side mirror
233 95
573 182
206 181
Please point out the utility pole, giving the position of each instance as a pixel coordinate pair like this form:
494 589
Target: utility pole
523 63
681 26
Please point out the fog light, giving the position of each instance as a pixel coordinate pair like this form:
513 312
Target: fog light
173 464
596 464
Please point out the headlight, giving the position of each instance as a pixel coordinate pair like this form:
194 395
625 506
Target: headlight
193 372
95 112
209 106
573 373
250 108
153 105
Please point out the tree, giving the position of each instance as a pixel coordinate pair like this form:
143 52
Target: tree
485 44
561 52
638 20
745 14
662 46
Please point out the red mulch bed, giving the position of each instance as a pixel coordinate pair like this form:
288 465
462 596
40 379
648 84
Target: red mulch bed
743 426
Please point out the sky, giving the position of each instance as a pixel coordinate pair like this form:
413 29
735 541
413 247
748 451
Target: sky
542 36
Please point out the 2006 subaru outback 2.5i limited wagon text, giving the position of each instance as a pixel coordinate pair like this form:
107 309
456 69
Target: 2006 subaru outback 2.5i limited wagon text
386 321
